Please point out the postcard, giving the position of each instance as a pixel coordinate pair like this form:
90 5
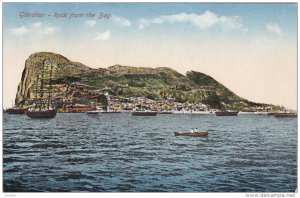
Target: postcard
150 97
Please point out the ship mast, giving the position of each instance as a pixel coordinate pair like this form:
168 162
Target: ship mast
37 98
50 86
42 89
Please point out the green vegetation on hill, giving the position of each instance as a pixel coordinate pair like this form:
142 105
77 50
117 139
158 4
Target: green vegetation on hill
125 81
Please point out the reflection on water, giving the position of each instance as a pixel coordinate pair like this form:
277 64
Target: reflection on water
120 153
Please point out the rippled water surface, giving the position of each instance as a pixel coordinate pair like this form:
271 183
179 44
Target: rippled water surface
120 153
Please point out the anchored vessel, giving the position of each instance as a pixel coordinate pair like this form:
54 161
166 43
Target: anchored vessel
111 112
226 113
49 113
42 101
285 115
92 112
16 111
144 113
166 112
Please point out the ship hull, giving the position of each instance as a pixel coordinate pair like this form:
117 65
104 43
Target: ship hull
192 134
92 112
285 115
233 113
111 112
16 111
41 114
144 113
166 112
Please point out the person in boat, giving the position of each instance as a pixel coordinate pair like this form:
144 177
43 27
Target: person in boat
196 130
192 131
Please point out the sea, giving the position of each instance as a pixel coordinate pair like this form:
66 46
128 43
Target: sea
77 152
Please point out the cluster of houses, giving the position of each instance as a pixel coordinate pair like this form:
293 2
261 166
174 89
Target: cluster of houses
119 103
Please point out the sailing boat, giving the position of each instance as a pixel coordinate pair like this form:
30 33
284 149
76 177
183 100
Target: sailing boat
42 107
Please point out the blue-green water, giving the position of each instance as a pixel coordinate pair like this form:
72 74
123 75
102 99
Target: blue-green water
120 153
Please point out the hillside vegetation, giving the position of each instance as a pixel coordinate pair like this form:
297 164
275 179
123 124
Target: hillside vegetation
156 84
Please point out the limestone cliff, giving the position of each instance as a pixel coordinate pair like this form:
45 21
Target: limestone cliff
124 81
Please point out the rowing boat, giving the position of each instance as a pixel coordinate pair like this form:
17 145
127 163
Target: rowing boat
192 134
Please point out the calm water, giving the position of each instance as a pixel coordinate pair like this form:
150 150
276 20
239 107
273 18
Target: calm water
120 153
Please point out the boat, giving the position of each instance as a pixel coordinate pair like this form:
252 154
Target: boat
226 113
35 113
285 115
111 112
246 113
42 102
192 134
92 112
144 113
165 112
15 111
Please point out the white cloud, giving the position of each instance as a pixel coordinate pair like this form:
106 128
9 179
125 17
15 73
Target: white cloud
41 30
49 30
121 21
103 36
90 23
19 31
272 27
37 24
203 21
37 29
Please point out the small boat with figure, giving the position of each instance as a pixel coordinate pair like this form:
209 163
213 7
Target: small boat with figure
192 134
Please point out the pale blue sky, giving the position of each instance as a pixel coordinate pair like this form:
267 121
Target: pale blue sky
254 17
247 47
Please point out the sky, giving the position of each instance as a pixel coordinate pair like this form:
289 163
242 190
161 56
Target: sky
251 48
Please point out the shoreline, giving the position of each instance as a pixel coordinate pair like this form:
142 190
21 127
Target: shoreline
170 112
